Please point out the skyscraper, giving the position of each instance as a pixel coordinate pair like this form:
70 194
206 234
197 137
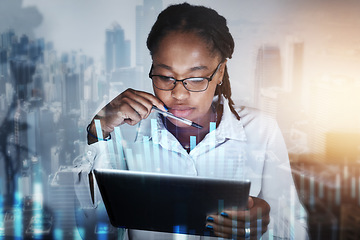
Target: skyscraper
117 49
72 92
293 67
3 67
61 200
268 78
7 38
268 67
23 45
22 70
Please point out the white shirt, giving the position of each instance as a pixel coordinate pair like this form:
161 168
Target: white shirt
251 148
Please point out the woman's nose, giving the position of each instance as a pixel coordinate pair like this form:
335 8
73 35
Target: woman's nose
180 92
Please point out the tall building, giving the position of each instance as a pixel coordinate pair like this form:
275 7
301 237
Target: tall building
33 133
61 201
268 67
47 139
7 38
22 70
23 46
268 78
3 66
37 87
117 49
145 17
293 67
72 92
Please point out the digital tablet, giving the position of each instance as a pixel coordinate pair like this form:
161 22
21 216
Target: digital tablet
165 202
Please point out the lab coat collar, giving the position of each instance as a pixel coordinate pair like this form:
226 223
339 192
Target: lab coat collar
230 127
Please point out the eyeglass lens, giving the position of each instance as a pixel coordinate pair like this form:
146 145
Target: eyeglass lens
191 84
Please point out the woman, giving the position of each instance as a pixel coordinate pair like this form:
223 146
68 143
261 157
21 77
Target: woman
189 46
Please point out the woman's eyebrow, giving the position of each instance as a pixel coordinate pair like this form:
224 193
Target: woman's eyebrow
197 68
164 66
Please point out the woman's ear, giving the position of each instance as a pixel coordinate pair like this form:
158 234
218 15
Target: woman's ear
222 72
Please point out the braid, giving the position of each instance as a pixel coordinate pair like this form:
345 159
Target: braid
207 24
225 90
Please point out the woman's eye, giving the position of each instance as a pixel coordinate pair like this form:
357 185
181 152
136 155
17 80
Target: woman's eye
164 78
196 80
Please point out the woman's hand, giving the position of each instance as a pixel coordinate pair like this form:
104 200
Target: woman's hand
129 107
233 224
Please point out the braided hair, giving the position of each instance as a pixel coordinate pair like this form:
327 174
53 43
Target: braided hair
208 25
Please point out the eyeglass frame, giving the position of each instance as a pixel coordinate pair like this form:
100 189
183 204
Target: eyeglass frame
182 80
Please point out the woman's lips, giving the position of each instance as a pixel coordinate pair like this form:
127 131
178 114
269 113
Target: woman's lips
183 112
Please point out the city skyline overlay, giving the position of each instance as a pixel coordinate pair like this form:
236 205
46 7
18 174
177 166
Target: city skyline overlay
48 96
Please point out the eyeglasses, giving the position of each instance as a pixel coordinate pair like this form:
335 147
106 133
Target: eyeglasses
192 84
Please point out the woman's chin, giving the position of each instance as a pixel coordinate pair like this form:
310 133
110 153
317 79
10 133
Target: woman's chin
178 123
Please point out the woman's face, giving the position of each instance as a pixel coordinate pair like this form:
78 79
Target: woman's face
182 55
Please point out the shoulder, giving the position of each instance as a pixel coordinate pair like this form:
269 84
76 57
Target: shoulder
254 116
258 126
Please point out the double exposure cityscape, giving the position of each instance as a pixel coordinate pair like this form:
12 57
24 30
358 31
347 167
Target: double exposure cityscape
305 78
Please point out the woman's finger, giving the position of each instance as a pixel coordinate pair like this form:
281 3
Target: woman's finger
144 98
232 232
130 107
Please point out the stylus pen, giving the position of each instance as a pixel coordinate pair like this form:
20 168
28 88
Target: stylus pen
183 120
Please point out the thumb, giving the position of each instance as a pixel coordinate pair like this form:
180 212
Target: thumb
250 202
